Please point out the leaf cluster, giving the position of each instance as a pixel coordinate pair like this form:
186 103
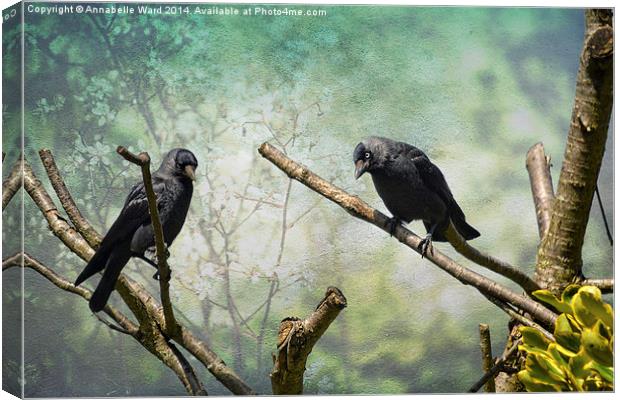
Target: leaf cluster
581 357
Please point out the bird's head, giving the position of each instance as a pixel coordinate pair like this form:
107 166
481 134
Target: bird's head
181 163
369 156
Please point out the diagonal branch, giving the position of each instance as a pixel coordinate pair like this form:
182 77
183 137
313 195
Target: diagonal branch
539 169
80 223
144 161
359 209
488 261
297 337
12 183
25 260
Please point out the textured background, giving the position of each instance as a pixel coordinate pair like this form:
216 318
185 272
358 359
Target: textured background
473 87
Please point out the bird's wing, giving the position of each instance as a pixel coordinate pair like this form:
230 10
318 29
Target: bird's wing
433 179
135 212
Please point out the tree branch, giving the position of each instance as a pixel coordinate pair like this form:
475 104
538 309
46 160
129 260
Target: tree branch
12 183
539 169
296 338
26 261
486 260
144 161
80 223
359 209
606 285
559 256
487 357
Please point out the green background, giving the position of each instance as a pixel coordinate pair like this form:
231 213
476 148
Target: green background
473 87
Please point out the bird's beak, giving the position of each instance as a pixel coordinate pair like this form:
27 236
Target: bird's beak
190 171
360 168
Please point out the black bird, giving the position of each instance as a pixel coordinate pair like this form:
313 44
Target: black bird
131 235
411 187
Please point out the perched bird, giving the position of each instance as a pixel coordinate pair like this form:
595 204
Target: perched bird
411 187
131 235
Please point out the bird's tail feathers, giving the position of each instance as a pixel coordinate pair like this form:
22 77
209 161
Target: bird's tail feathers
458 220
104 289
96 264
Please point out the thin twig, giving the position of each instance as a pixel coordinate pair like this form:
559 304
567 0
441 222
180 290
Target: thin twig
600 204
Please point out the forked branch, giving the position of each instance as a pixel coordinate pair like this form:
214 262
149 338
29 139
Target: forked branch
297 337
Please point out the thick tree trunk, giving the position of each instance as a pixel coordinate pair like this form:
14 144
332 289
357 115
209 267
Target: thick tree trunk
559 255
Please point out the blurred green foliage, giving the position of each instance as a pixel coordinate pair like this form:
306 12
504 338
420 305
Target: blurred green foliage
473 87
581 357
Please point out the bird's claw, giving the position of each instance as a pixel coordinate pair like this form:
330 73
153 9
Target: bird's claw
426 245
156 276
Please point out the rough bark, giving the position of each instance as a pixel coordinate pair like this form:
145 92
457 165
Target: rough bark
297 337
559 256
359 209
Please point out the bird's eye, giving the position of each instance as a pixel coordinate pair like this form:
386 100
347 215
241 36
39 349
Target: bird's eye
367 155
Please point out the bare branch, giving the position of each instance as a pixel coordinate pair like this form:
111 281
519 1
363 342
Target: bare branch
144 161
359 209
559 257
487 357
80 223
488 261
606 285
26 261
296 338
12 183
539 169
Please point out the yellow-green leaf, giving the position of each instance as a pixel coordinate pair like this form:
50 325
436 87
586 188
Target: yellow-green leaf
581 310
606 373
557 356
565 333
534 338
597 346
590 297
547 297
578 364
543 368
568 293
533 385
